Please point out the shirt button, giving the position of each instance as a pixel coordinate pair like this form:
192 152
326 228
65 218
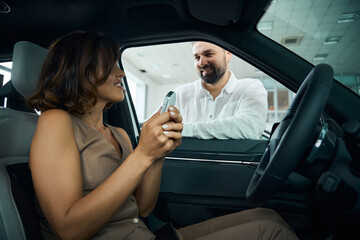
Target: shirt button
210 116
136 220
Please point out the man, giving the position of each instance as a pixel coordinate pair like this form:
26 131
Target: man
218 105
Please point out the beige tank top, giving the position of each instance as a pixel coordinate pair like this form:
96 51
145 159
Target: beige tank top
99 159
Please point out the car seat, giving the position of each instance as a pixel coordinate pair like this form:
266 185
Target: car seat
18 218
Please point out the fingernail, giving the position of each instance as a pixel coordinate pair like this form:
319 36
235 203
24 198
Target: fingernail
171 108
172 113
166 132
165 126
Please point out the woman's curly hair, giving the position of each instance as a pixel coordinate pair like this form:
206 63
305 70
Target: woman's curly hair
76 64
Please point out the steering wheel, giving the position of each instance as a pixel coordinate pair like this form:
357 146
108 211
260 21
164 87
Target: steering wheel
295 133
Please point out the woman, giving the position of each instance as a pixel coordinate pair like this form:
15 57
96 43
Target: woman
88 180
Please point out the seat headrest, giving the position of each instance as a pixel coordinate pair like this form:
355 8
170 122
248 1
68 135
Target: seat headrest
27 63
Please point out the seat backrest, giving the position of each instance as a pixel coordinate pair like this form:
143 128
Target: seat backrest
14 99
18 218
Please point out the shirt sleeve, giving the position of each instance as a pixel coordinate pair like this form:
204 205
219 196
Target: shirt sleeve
248 122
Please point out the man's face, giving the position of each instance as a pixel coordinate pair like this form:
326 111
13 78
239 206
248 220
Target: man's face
211 61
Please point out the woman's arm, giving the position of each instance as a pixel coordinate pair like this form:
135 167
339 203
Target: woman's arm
147 191
57 177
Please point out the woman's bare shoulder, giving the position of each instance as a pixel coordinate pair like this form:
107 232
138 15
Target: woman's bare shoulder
54 114
54 120
54 137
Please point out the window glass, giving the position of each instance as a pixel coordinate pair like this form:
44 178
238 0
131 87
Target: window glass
157 69
283 99
271 103
5 70
320 31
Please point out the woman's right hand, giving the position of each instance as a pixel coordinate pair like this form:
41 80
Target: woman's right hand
154 142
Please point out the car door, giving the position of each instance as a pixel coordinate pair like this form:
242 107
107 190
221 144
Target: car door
205 178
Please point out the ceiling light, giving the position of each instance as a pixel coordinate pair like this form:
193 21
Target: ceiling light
331 40
348 17
320 56
291 40
268 25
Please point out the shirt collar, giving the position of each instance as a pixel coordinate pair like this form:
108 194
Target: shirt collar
202 92
229 86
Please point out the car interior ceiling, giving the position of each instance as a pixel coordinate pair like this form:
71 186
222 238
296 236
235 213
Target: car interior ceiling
136 14
235 32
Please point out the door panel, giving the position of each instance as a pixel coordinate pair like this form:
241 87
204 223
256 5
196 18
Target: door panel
206 178
203 179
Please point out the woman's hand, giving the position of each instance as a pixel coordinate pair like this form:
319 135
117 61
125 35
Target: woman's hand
160 135
173 128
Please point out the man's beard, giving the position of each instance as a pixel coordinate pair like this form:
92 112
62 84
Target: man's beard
215 75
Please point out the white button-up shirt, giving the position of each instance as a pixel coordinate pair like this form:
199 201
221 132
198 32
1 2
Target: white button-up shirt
239 111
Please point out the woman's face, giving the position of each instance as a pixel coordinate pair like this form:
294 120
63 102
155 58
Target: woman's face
112 91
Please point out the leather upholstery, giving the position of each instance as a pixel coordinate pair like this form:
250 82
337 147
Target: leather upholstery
17 218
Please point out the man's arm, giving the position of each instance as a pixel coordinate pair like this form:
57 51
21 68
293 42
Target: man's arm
236 127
